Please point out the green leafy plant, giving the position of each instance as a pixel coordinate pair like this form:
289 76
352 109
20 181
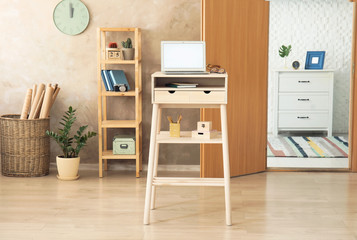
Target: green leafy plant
65 141
127 43
284 51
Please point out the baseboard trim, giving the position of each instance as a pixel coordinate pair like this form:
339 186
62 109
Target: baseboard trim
292 162
131 167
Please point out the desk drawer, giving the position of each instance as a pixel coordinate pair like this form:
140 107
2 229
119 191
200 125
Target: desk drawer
303 85
303 120
207 96
303 102
172 96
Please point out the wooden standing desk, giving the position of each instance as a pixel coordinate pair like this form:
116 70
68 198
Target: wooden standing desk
211 92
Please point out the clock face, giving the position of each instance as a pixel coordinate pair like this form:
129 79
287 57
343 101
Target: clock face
296 65
71 17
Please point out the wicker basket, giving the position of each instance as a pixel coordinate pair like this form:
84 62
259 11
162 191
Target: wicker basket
25 147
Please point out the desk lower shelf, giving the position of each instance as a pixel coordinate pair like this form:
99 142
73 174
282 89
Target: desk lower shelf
172 181
186 137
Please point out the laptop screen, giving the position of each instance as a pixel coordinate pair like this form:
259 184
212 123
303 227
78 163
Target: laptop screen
189 56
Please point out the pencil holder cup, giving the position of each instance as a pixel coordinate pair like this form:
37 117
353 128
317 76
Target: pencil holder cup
174 130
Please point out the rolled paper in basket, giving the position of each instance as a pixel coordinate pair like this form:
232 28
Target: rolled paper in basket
55 93
38 107
33 94
27 103
46 102
34 104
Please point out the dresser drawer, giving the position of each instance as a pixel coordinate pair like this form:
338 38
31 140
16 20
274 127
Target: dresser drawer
303 84
207 96
303 120
172 96
303 102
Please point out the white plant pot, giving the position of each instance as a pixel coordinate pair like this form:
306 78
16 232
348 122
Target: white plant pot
67 168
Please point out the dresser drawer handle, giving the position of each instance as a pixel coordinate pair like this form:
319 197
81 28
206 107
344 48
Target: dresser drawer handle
207 92
304 81
303 99
172 92
307 117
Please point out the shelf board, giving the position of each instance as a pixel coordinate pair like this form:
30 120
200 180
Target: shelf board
130 93
108 154
118 61
164 137
120 124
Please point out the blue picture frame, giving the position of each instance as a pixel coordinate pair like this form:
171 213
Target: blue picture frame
315 60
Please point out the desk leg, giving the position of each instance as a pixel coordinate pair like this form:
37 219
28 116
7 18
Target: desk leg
226 169
153 193
151 163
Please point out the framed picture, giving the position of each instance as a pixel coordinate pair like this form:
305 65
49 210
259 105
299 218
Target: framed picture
315 60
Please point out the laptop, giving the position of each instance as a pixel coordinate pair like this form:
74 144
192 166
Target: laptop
183 57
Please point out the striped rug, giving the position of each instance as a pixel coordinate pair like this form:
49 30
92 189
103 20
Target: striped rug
308 147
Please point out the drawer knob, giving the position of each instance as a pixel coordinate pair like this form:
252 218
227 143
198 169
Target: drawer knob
207 92
307 117
172 92
304 81
303 99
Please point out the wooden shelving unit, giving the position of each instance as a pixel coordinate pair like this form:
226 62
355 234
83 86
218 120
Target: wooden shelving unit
103 122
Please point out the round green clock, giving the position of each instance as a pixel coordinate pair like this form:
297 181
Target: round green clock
71 17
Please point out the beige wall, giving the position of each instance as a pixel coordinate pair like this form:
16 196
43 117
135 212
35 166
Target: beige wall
33 51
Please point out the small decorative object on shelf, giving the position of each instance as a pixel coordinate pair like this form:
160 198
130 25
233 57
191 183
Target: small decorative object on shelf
315 60
204 126
174 126
128 50
284 52
296 65
204 131
68 163
215 69
113 52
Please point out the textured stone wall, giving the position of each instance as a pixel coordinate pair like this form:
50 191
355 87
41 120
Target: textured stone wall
33 51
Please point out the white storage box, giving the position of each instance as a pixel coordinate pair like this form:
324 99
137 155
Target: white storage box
204 135
204 126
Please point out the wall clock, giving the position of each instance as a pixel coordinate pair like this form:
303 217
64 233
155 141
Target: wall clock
71 17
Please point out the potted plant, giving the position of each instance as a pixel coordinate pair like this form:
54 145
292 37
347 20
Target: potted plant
68 163
284 52
128 50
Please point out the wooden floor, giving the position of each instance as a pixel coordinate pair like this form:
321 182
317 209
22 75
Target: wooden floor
271 205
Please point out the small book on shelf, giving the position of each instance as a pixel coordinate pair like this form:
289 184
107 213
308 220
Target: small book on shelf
104 81
107 80
181 85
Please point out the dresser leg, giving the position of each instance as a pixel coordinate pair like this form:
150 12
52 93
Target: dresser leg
226 168
153 193
150 164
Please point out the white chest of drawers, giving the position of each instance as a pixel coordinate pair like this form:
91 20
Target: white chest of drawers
303 100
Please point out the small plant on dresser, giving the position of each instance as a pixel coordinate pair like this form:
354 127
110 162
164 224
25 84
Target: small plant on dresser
68 163
284 52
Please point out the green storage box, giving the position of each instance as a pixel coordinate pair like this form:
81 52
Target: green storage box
124 144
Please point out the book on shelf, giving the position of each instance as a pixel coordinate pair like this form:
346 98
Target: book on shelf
118 77
107 80
181 85
104 81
